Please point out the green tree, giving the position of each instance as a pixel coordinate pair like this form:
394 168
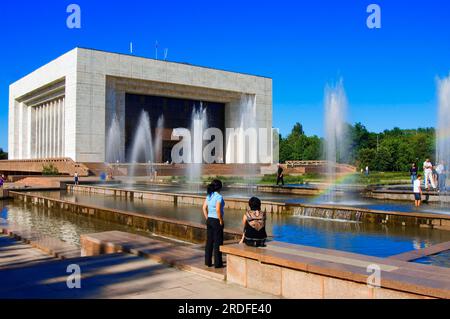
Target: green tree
298 146
367 157
390 150
383 160
3 155
50 170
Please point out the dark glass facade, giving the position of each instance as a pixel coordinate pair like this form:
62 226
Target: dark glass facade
177 113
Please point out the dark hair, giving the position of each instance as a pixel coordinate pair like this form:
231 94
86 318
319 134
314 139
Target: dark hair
215 186
418 176
254 203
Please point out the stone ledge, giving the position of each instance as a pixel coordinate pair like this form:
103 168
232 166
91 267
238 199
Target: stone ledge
397 277
184 230
232 203
377 212
424 252
402 195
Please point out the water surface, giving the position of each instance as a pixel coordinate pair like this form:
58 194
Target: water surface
370 239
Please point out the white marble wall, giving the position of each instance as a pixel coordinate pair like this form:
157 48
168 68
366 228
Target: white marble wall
23 126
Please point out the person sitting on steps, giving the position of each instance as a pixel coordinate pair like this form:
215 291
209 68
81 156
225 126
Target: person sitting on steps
254 222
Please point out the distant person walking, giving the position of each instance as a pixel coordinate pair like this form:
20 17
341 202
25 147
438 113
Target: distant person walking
413 172
442 176
2 181
280 176
367 171
213 211
76 179
254 222
428 172
417 189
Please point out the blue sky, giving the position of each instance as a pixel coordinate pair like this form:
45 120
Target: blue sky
389 74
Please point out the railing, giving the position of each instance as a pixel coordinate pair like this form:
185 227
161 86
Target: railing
305 163
293 164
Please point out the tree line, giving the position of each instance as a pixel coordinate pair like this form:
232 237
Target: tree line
3 154
391 150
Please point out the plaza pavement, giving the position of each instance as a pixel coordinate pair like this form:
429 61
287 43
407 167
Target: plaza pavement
26 272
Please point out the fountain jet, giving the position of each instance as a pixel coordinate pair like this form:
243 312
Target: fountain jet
114 142
157 145
142 147
335 132
199 123
443 125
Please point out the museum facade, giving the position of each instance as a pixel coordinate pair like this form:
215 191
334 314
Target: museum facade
65 108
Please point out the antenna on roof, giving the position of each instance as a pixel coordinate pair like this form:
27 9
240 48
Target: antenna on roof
166 52
131 47
156 49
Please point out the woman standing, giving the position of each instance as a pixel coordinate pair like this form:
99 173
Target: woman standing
213 210
254 222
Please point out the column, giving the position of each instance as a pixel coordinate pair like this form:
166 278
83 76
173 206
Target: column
36 143
55 140
30 132
27 113
46 129
52 115
41 132
58 128
52 130
44 126
63 126
38 133
61 130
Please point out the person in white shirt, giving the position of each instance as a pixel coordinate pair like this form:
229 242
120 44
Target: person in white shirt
428 171
417 191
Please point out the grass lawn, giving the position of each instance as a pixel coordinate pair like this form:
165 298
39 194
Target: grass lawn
382 178
374 178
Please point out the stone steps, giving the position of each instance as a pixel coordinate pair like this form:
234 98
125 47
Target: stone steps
49 245
183 257
15 254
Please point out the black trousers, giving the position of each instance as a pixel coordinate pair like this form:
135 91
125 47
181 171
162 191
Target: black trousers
280 179
255 242
214 240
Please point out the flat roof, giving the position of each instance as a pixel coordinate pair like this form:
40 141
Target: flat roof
175 62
